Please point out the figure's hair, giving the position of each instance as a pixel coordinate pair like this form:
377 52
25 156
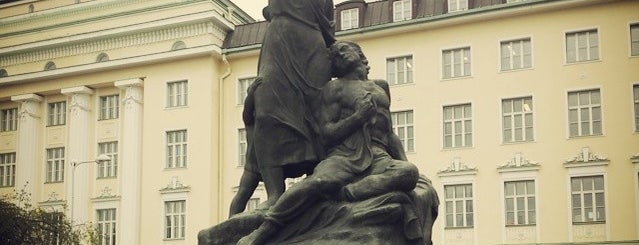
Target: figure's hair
339 66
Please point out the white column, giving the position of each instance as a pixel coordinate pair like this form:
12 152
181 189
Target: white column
131 155
28 142
78 148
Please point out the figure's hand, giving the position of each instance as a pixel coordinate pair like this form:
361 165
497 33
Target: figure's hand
366 107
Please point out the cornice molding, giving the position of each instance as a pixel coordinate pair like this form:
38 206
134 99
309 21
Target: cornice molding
518 163
111 43
585 156
175 186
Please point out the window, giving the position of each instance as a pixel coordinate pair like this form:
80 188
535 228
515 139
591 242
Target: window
584 113
177 94
109 168
459 205
7 169
242 88
516 54
457 5
520 202
252 204
636 95
106 225
350 18
49 66
53 221
399 70
456 62
402 10
588 203
55 165
175 219
242 147
403 127
634 39
458 126
582 46
9 120
109 107
57 113
517 116
176 149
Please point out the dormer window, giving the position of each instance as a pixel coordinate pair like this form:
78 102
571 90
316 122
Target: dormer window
457 5
402 10
350 18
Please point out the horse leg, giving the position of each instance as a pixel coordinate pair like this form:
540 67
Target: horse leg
248 183
273 178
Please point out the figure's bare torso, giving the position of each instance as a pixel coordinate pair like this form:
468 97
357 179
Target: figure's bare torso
356 92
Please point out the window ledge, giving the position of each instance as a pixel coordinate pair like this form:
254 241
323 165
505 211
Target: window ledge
524 225
175 107
582 62
458 148
173 239
586 136
108 119
518 142
106 178
589 223
6 186
54 182
458 227
445 79
175 169
401 85
516 70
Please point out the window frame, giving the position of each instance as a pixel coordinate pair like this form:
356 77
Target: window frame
512 114
110 168
526 196
458 2
630 41
635 102
402 4
242 88
408 72
171 147
404 138
523 56
55 166
172 100
111 223
464 199
56 113
9 119
242 146
463 73
582 194
579 108
576 47
7 169
463 119
109 107
177 231
353 20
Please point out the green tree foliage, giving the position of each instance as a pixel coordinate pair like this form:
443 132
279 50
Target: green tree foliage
22 223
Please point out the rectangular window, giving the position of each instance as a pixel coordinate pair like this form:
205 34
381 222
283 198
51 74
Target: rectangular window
252 204
402 10
403 128
456 62
457 5
635 91
458 129
520 202
242 88
57 113
7 169
106 225
634 39
459 205
350 18
177 94
516 54
242 146
108 169
399 70
582 46
174 219
588 200
53 219
517 119
176 149
584 113
55 165
109 107
9 120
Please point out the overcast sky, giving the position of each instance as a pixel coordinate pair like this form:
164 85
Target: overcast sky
254 7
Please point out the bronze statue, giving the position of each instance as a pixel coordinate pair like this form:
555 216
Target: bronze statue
365 159
281 105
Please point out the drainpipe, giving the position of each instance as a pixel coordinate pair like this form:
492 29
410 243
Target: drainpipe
220 138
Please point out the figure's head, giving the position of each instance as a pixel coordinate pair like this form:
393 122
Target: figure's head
346 57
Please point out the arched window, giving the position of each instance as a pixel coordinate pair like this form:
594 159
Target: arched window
49 66
31 8
3 73
102 57
178 45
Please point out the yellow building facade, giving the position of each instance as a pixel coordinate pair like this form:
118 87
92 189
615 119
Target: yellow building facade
524 114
